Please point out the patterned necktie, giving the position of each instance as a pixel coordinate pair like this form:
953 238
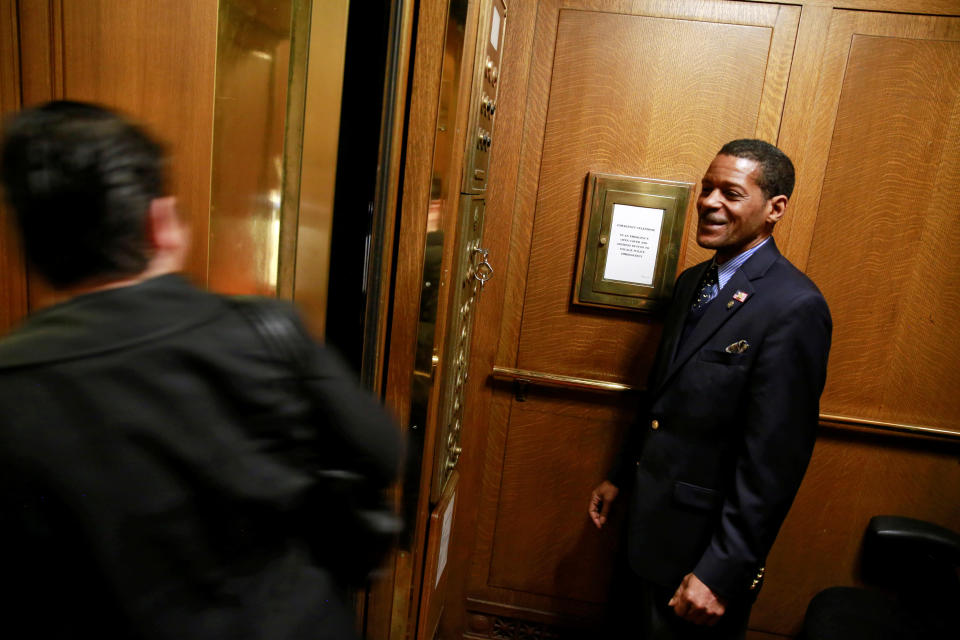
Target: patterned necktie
708 290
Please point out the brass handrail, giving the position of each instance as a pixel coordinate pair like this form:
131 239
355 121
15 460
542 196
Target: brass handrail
895 427
571 382
557 380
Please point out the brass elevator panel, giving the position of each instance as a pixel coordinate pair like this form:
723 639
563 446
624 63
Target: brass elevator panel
483 102
471 271
471 265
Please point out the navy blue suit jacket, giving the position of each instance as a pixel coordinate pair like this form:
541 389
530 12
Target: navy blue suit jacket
724 437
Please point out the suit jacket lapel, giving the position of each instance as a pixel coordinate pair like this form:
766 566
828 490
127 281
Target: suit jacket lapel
719 311
673 323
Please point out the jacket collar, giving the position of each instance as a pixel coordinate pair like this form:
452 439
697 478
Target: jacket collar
108 320
719 311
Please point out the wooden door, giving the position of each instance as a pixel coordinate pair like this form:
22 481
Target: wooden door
649 89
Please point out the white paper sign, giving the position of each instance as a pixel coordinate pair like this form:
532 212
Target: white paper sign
495 29
634 241
444 540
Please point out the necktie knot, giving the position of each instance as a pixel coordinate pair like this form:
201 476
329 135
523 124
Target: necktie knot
709 288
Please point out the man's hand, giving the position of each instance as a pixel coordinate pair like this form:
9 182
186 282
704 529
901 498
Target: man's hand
600 501
695 602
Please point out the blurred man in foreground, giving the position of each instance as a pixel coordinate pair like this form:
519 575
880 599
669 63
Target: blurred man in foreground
158 455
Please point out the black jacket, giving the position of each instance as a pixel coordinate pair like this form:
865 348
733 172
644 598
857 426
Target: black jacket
155 460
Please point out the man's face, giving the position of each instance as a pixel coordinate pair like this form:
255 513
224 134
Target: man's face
734 215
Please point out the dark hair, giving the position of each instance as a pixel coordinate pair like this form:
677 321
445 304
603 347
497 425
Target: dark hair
776 169
80 179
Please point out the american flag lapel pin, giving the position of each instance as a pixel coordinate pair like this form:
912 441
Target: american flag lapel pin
741 296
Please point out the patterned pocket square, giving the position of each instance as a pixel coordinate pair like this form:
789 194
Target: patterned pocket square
738 347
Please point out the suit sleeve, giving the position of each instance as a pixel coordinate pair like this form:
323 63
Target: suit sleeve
779 429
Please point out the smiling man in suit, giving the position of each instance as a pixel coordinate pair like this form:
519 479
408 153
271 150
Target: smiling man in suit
728 423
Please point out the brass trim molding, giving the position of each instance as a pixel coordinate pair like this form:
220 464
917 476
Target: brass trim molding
556 380
894 427
844 422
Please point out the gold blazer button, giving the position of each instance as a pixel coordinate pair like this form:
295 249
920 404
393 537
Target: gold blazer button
654 424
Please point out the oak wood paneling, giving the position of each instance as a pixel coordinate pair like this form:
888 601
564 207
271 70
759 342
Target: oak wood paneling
404 322
891 164
607 91
13 278
852 477
515 571
570 558
502 196
153 59
630 97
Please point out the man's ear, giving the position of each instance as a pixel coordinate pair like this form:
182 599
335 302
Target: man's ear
778 206
168 236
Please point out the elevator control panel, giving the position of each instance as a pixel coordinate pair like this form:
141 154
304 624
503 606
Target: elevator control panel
486 81
472 265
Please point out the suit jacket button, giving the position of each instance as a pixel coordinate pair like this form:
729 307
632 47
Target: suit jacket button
654 424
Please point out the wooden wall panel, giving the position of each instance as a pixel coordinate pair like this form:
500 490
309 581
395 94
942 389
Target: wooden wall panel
630 97
892 163
852 477
153 59
553 550
608 91
13 282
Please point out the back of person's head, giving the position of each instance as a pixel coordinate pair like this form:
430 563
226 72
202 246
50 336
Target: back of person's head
776 170
80 179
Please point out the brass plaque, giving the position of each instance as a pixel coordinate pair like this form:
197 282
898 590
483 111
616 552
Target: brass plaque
630 241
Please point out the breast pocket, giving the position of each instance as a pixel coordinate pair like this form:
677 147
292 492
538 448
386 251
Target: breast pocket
719 356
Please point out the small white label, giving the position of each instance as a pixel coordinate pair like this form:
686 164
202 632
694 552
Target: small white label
444 540
633 245
495 29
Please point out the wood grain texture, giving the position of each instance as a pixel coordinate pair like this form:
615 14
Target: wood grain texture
404 323
41 79
153 59
852 477
550 547
41 50
502 193
797 134
422 114
13 277
534 109
629 97
891 164
516 562
536 549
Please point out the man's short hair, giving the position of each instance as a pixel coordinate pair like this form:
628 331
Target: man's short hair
80 179
776 170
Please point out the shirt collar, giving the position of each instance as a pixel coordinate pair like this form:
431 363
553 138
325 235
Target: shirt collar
726 270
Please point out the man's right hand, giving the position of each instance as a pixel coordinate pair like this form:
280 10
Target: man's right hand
600 501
